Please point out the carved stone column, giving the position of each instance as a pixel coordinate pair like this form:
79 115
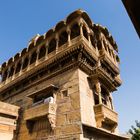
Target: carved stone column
37 57
81 28
57 42
15 67
22 61
46 55
98 90
29 61
69 33
89 38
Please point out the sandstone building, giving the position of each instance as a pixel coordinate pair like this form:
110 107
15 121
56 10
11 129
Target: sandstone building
60 87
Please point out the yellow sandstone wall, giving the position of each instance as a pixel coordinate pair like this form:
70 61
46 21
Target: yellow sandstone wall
86 100
68 116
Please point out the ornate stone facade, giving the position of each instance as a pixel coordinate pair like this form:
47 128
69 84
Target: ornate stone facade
63 81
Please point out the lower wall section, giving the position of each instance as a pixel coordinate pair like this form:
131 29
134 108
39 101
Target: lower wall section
6 136
92 133
6 132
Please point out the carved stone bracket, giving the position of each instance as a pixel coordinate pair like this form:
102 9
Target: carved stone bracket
52 120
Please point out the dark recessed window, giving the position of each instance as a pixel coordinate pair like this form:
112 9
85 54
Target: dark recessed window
25 63
75 31
33 57
18 67
42 52
85 33
52 46
63 38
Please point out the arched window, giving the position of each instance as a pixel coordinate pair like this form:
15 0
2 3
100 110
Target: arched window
18 68
99 45
75 31
52 46
104 95
63 38
4 75
39 40
85 33
109 51
25 63
33 57
92 40
42 52
11 71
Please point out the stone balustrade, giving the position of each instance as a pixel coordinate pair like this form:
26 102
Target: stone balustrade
103 114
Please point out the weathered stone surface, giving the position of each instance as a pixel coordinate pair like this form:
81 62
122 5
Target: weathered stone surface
61 120
74 72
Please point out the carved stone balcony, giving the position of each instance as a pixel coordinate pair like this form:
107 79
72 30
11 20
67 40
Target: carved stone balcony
9 109
105 117
104 77
40 110
34 113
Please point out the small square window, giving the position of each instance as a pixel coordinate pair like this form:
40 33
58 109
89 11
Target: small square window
65 93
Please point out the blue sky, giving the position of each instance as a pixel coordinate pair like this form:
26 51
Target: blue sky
21 20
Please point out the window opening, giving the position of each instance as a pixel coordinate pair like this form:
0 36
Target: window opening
75 31
63 38
25 63
33 57
52 46
42 52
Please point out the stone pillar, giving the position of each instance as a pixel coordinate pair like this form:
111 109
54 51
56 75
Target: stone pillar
96 47
89 38
57 42
69 33
98 90
37 57
111 54
102 44
81 28
29 60
8 73
111 101
22 61
14 71
46 55
107 49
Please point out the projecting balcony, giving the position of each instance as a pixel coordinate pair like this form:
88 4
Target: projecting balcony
105 117
110 60
9 109
40 110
